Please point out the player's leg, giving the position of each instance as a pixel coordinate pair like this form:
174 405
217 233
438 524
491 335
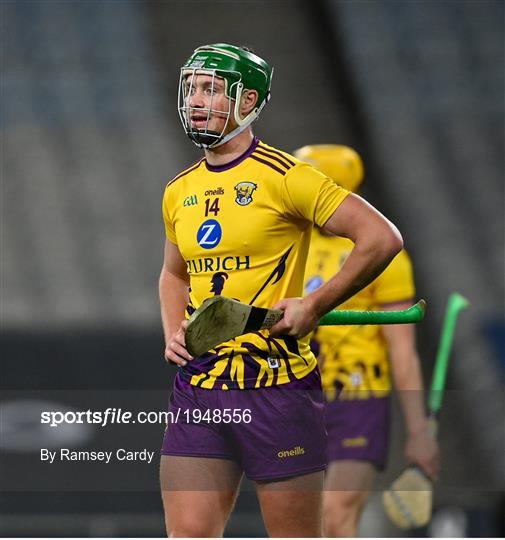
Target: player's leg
347 487
198 494
199 475
357 448
292 507
283 450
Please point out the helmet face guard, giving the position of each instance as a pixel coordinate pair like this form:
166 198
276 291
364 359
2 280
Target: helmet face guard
239 69
204 138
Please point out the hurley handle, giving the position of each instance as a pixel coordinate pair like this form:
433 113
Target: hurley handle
455 305
413 314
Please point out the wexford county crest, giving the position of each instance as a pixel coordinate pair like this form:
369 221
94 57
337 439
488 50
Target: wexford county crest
244 192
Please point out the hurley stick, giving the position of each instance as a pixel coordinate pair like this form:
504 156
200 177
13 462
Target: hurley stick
220 319
408 501
455 305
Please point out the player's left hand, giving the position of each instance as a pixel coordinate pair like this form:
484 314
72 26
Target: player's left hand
299 319
422 450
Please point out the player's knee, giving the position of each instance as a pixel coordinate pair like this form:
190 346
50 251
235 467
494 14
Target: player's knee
338 525
192 532
340 515
192 528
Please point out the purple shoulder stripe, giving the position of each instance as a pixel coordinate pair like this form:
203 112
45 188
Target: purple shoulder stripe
271 165
272 151
275 158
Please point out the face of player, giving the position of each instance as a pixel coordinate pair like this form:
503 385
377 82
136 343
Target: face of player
208 107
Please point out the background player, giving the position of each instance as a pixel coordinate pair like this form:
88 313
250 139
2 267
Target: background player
356 362
248 209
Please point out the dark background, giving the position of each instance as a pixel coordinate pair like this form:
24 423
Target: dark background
90 138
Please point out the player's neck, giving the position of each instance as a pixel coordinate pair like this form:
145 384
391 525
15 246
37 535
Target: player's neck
230 150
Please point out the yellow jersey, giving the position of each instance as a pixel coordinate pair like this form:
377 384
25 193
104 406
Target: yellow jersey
354 359
244 231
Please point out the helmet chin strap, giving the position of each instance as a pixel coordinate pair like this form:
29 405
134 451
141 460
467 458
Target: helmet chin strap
203 139
242 123
211 139
233 133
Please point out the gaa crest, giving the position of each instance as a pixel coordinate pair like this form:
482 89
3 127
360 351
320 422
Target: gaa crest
244 192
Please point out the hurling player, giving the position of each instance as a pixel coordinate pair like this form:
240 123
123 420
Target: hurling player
357 363
238 223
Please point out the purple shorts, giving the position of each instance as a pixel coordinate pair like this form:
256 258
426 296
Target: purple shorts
359 430
274 432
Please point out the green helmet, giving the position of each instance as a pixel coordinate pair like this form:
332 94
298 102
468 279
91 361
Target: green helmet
240 69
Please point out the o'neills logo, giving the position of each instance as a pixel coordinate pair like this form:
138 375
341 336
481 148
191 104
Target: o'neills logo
355 443
296 451
217 191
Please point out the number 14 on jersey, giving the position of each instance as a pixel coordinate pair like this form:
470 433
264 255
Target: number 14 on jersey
212 207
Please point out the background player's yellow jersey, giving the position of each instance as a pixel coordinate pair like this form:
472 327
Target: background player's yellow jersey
354 358
244 231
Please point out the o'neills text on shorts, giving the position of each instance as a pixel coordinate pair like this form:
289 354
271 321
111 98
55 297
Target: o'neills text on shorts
296 451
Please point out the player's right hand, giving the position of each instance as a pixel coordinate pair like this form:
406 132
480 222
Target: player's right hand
299 317
175 348
422 449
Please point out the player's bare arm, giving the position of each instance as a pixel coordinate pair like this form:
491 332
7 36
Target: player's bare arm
174 296
421 447
376 241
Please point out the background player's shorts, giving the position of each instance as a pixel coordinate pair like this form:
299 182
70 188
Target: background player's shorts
284 437
358 429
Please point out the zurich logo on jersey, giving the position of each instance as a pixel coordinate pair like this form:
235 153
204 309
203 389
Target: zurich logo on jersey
209 234
313 283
